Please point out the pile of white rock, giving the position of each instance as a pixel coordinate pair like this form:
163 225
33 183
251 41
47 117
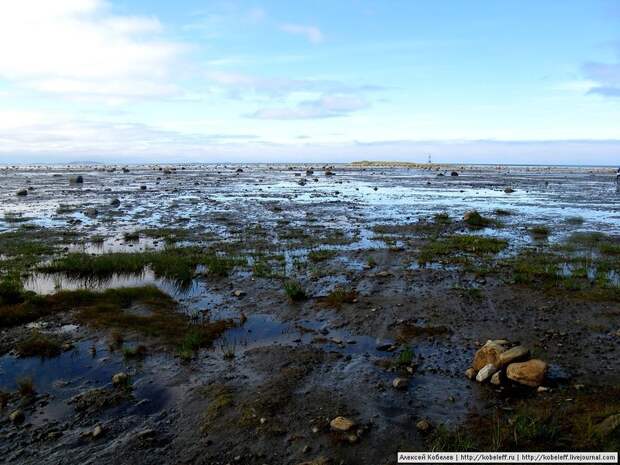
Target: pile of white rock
497 361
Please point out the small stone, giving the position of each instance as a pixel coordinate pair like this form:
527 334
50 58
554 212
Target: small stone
542 389
17 416
400 383
115 203
530 373
423 426
22 193
239 293
98 431
486 372
120 379
76 179
470 373
509 190
496 378
514 354
341 424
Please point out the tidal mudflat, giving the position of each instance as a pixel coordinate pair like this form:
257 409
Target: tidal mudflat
306 314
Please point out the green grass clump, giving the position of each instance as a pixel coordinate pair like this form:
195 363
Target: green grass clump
25 387
38 344
444 440
11 290
575 220
442 218
321 255
502 212
403 359
294 291
475 220
540 231
439 249
340 296
131 236
138 351
220 399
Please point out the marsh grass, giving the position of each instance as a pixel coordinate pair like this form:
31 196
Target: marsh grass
452 246
575 220
539 231
320 255
25 387
403 359
38 344
176 264
340 296
474 220
136 352
294 291
220 398
538 424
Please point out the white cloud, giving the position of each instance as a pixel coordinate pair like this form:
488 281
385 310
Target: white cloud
327 106
312 33
81 46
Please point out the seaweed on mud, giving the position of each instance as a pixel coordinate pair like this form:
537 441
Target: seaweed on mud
449 248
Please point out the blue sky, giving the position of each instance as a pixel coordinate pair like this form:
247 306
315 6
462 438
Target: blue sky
467 81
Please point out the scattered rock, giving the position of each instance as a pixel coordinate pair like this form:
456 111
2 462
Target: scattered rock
76 179
496 379
400 383
488 353
91 212
115 203
486 372
22 193
515 354
341 424
530 373
509 190
423 426
470 373
98 431
454 173
17 416
239 293
120 379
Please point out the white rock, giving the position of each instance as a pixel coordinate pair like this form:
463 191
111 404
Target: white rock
486 372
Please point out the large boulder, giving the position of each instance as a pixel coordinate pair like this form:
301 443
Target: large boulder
531 373
514 354
488 353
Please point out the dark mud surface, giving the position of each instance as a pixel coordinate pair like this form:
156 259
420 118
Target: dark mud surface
266 389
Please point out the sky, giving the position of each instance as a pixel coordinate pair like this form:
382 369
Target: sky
466 81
